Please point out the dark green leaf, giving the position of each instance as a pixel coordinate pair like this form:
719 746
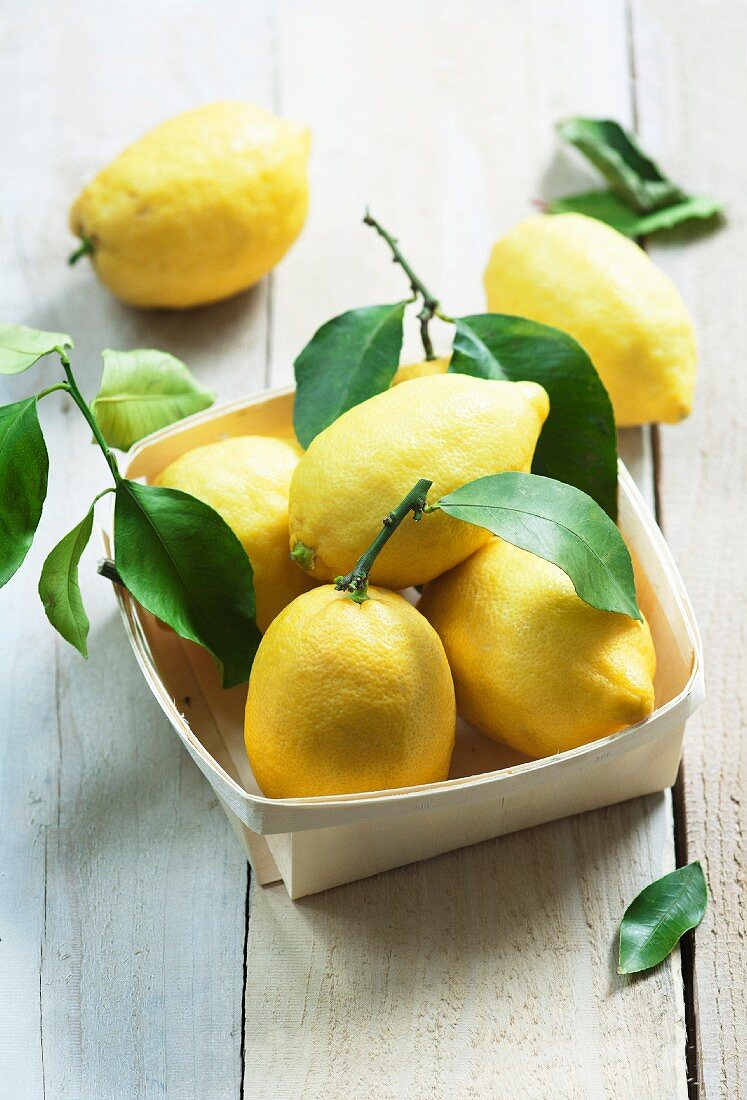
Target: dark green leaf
59 588
142 391
20 347
605 206
24 467
616 153
185 565
656 920
558 523
578 443
351 358
470 354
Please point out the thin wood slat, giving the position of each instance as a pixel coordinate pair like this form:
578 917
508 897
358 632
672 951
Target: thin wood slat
123 892
692 87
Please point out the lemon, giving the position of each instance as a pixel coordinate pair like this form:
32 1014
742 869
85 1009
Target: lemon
199 208
346 697
533 665
579 275
421 370
246 480
448 428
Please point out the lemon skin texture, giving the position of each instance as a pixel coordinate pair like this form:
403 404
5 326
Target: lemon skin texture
534 666
427 367
346 697
579 275
449 428
246 480
199 208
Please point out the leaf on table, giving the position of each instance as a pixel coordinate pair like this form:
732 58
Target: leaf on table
659 916
605 206
556 522
349 359
24 468
615 152
184 564
20 347
142 391
59 589
578 443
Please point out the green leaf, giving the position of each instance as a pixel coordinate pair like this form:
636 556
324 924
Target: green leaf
578 443
616 153
20 347
184 564
59 589
605 206
558 523
142 391
351 358
24 466
659 916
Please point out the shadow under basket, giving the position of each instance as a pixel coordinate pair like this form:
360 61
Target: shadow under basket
315 843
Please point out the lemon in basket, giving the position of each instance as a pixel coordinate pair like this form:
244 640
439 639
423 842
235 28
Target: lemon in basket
198 209
347 697
246 480
579 275
448 428
533 665
423 369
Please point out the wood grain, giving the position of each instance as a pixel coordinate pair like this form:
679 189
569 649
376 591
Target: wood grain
490 971
122 895
486 972
693 100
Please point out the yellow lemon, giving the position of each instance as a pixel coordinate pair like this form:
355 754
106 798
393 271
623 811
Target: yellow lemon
421 370
198 209
346 697
448 428
579 275
246 480
533 665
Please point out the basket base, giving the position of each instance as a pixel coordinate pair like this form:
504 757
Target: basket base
313 860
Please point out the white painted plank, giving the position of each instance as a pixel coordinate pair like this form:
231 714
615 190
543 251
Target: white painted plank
487 972
692 83
123 890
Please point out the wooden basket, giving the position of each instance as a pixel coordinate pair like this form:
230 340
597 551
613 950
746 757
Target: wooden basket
314 843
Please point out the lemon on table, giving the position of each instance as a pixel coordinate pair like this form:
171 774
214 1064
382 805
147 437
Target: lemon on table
449 429
199 208
347 697
533 665
246 480
579 275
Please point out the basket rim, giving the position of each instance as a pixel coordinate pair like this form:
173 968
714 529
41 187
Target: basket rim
683 704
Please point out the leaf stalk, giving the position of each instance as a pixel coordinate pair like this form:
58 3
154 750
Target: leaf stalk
63 386
80 401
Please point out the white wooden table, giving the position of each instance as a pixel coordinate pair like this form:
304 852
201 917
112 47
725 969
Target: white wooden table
136 958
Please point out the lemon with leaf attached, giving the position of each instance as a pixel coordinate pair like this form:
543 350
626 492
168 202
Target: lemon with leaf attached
448 428
347 697
198 209
579 275
246 480
534 665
